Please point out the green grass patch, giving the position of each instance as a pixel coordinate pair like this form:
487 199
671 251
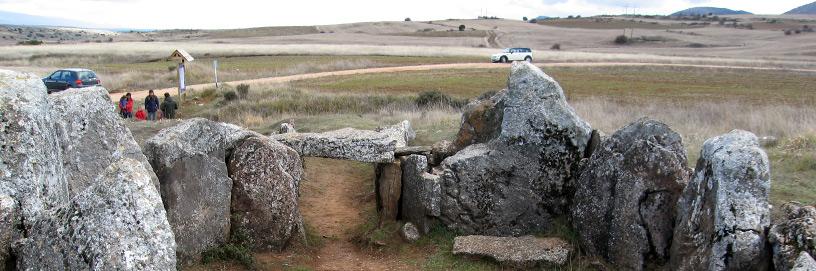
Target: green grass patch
793 167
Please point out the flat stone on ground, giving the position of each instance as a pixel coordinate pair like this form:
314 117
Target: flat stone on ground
522 252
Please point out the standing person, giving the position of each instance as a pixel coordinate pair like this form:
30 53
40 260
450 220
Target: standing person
129 106
169 107
123 107
152 105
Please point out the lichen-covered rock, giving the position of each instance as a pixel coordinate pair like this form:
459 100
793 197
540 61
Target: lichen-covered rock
519 252
723 213
421 193
624 203
519 179
9 227
794 234
116 224
409 232
266 176
190 162
481 120
30 155
804 263
402 133
441 150
349 144
92 136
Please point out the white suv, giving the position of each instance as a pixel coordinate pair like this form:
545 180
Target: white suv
513 54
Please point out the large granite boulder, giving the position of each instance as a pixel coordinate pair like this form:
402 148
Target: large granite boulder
804 263
723 213
515 182
266 176
520 252
116 224
190 162
481 120
794 234
421 193
92 136
351 144
624 203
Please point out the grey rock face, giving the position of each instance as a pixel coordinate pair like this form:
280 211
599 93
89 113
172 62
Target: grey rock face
794 234
421 193
351 144
723 213
92 136
804 263
9 223
190 162
117 224
515 182
266 176
520 252
624 203
30 156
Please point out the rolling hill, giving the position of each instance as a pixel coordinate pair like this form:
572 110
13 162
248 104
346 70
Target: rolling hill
708 10
14 18
809 9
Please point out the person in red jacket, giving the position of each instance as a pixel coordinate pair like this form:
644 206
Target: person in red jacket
129 106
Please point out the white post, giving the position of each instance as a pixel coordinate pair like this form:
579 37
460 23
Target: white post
215 71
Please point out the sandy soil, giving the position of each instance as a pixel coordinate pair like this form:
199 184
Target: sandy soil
139 95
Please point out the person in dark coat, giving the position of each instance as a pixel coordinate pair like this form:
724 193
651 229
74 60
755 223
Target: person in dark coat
168 107
151 105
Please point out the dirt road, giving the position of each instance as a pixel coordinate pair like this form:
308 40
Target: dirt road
139 95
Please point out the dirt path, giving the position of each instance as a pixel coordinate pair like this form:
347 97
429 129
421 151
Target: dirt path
334 200
140 95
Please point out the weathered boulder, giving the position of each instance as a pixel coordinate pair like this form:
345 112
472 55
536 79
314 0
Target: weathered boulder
520 252
266 176
92 136
190 162
402 133
804 263
794 234
9 222
441 150
520 178
351 144
421 193
116 224
30 154
388 185
481 120
409 232
625 199
723 213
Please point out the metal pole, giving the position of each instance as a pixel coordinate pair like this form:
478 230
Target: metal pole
215 71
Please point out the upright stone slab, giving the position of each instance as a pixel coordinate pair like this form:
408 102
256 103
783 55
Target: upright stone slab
190 162
266 177
92 136
421 193
624 203
523 175
723 213
388 182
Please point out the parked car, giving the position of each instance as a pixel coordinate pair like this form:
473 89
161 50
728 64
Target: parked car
70 78
513 54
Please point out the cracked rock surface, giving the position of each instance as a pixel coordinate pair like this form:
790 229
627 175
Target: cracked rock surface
524 172
624 204
351 144
723 213
794 234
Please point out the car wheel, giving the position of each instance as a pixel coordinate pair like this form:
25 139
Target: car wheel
528 59
503 59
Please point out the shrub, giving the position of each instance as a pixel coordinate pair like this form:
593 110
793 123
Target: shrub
556 46
524 19
462 27
787 32
230 96
434 97
243 90
30 42
622 39
696 45
570 17
407 19
797 31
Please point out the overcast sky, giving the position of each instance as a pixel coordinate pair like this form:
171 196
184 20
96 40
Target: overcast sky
162 14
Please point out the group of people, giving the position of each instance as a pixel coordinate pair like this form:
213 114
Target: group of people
155 110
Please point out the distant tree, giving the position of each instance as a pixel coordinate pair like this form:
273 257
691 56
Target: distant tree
408 19
524 19
577 16
570 17
462 27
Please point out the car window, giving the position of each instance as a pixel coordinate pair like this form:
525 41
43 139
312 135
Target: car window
57 75
86 75
67 76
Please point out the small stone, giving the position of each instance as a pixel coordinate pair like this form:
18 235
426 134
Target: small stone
519 252
409 232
